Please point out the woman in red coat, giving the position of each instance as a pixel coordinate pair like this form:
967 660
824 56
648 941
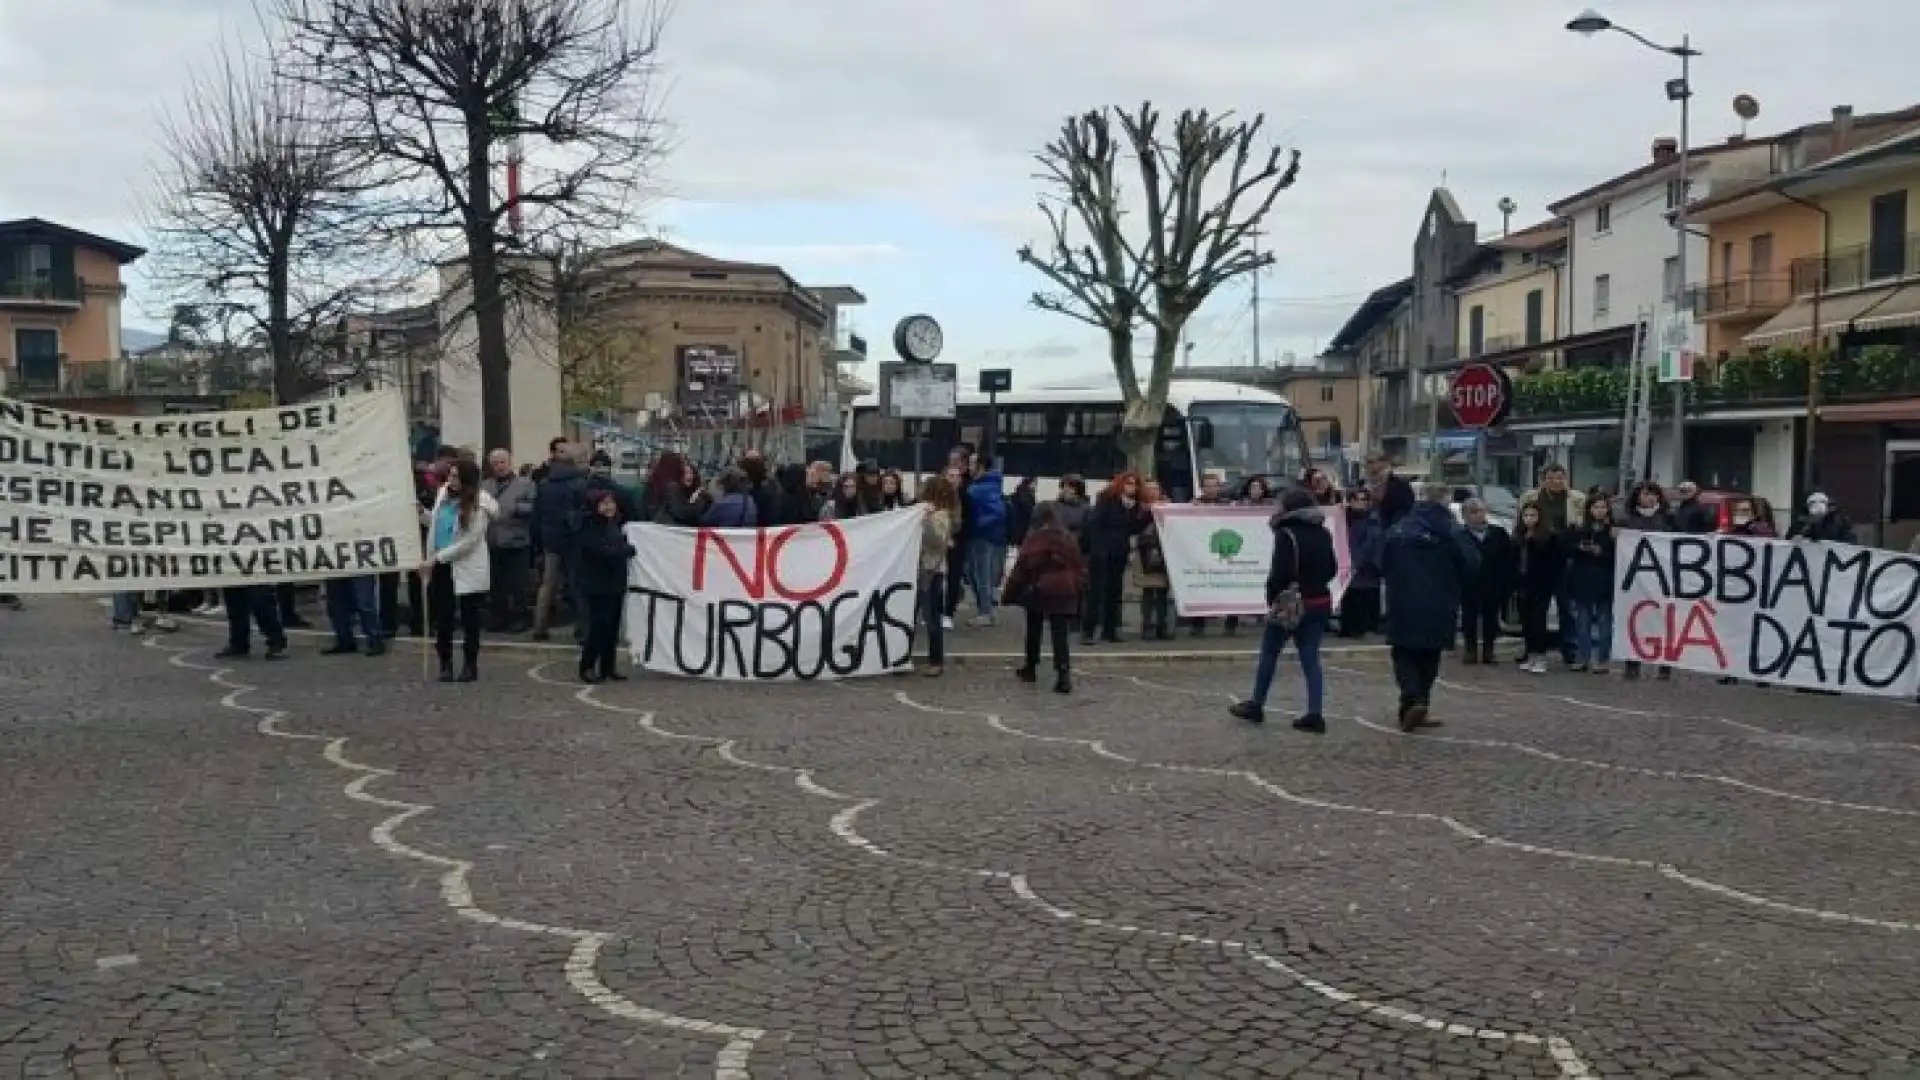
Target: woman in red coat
1047 579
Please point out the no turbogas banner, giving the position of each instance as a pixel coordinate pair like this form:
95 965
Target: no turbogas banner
1815 615
827 601
1218 556
93 504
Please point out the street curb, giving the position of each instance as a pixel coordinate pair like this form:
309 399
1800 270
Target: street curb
1082 657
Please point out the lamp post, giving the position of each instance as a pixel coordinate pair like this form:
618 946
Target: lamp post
1587 24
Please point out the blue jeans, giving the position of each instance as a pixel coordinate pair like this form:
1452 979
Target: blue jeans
349 599
986 565
126 608
1592 631
1307 640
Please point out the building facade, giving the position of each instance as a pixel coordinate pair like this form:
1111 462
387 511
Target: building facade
60 301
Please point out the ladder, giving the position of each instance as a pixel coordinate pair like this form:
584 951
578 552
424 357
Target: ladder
1636 430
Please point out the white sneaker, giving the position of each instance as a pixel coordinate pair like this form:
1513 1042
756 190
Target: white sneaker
1537 666
946 622
214 612
163 624
982 620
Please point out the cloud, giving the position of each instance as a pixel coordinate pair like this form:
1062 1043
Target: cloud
852 103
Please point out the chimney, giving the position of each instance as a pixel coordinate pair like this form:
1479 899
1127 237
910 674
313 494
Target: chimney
1842 128
1666 151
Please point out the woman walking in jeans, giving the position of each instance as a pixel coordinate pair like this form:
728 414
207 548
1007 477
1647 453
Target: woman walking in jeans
1303 560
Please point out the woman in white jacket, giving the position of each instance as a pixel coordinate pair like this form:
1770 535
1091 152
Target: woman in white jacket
457 569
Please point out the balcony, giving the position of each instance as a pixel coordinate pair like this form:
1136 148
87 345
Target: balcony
1747 296
130 378
1774 377
1857 267
42 290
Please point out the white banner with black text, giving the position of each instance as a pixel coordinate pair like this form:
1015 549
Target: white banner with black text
832 600
92 503
1821 616
1218 556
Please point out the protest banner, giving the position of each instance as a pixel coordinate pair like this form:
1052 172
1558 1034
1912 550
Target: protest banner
1218 556
828 601
92 504
1817 615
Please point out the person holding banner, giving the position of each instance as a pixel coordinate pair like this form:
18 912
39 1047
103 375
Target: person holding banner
458 570
604 557
1304 566
942 505
1649 513
1427 564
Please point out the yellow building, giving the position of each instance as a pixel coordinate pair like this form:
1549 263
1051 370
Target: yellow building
1509 295
60 296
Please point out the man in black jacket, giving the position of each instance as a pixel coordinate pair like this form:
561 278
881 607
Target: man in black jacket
558 508
1483 600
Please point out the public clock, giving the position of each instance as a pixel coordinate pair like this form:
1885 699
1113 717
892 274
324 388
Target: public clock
917 339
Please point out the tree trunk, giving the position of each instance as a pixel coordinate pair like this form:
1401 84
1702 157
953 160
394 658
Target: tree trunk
489 307
286 366
1140 427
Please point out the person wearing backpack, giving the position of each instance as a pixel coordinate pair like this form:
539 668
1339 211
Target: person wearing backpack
1300 604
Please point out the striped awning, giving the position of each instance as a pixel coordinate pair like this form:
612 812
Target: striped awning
1871 309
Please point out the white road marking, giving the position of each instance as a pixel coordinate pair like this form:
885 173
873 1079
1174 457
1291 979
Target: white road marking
1452 824
457 893
844 826
108 963
1564 759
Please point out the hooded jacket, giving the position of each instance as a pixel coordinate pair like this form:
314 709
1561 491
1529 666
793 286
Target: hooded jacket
1303 555
1427 563
987 498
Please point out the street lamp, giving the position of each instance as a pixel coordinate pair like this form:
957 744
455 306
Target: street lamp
1587 24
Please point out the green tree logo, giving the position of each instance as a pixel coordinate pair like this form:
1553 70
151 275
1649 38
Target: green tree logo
1225 543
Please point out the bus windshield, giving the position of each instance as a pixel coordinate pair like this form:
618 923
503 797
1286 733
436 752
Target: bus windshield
1248 439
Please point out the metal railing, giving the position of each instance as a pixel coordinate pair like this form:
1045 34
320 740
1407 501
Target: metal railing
42 288
1856 266
1745 294
130 378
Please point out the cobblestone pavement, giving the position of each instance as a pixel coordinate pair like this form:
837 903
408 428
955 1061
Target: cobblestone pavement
348 871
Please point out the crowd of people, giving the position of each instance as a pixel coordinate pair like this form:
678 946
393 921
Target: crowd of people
522 548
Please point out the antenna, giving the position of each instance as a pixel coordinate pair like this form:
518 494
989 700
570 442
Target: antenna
1746 107
1253 238
1506 206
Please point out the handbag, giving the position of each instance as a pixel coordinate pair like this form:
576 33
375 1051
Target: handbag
1289 609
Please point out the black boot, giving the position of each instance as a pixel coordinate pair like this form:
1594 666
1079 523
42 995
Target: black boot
1026 673
1063 682
469 671
608 673
446 671
587 673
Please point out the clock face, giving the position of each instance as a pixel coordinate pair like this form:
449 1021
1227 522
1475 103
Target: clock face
920 338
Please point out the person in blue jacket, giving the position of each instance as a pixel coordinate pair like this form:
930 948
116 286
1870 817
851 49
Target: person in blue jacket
987 539
1427 563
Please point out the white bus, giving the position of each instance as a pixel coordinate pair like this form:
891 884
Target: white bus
1221 428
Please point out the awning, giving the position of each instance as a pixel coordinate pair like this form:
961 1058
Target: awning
1872 412
1873 309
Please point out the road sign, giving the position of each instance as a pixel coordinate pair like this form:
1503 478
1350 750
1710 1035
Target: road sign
1481 395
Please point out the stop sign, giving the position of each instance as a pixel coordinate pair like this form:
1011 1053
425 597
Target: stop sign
1481 395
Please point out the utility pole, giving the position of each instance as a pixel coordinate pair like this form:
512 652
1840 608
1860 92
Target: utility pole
1253 237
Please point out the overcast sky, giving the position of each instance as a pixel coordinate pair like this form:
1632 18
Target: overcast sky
886 143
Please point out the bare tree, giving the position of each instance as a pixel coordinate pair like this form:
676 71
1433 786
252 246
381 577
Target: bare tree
1206 187
260 213
441 89
599 349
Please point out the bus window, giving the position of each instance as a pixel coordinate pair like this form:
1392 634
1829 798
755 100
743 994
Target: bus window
1241 439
